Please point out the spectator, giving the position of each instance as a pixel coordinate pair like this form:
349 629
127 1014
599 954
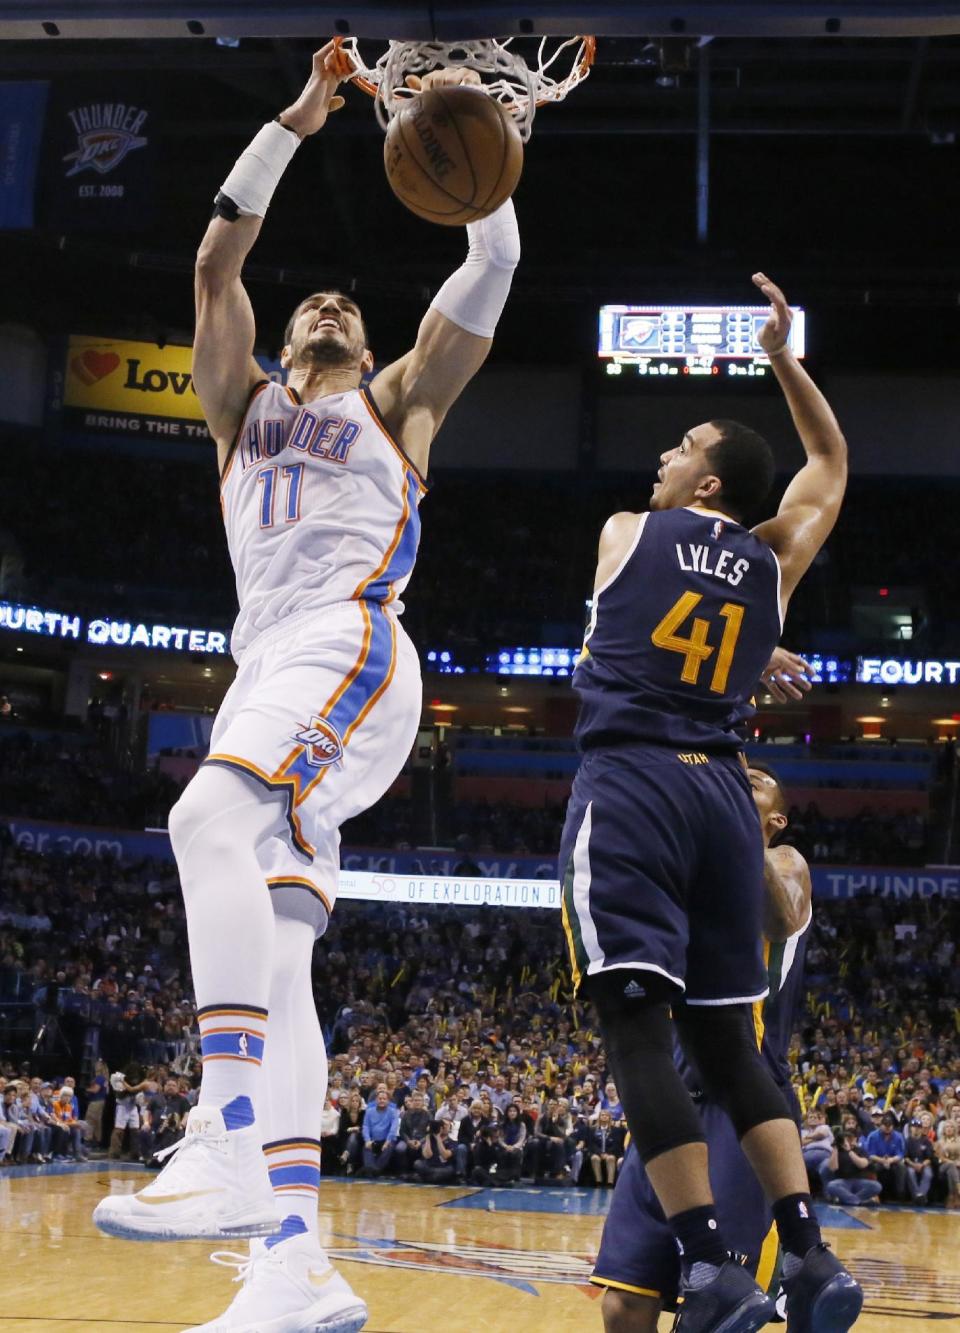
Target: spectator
885 1149
350 1133
162 1120
435 1165
41 1124
471 1127
67 1129
487 1155
8 1129
576 1141
21 1147
604 1147
329 1135
549 1144
381 1125
513 1137
414 1127
500 1095
845 1174
948 1155
816 1139
96 1101
610 1101
919 1160
453 1108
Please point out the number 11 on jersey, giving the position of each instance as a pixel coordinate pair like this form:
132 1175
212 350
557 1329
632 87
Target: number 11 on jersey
292 473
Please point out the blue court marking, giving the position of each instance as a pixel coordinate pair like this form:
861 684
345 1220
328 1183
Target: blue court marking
568 1202
33 1170
840 1219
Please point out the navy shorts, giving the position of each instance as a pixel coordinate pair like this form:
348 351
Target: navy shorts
638 1252
661 864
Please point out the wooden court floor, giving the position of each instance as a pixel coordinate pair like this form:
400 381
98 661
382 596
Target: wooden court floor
424 1258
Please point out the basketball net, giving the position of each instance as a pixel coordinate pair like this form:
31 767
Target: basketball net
520 87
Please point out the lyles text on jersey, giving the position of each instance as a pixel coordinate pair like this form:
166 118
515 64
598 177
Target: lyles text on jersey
697 559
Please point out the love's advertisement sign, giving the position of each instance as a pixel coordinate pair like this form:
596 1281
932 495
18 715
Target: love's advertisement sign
117 387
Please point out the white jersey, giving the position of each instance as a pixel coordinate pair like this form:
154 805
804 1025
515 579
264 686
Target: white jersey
320 506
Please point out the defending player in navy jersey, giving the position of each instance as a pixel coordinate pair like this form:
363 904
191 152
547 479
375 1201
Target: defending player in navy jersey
661 858
321 479
638 1264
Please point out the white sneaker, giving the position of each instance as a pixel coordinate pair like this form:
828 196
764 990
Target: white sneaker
214 1187
289 1287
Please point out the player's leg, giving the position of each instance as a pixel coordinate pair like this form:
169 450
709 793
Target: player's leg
717 1028
629 850
625 1312
637 1263
214 1183
362 663
289 1283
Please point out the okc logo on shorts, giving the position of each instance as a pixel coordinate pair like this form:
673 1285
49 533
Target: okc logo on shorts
323 744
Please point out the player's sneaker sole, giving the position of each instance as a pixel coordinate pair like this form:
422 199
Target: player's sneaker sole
836 1308
753 1312
350 1320
136 1228
750 1315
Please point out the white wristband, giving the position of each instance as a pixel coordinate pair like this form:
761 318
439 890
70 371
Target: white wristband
473 298
257 171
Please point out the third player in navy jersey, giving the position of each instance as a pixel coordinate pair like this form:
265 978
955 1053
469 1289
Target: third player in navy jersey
662 860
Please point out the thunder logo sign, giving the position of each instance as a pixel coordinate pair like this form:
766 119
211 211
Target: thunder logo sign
106 133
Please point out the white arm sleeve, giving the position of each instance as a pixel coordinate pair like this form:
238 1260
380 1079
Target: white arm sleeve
257 171
473 298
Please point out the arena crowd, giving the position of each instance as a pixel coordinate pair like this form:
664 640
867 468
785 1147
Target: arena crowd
480 1067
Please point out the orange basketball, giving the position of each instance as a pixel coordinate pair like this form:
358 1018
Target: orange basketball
453 155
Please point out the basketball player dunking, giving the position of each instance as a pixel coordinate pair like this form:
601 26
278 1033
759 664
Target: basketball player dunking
661 857
321 480
638 1264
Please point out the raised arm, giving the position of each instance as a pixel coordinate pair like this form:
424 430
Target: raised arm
224 369
787 900
811 502
415 393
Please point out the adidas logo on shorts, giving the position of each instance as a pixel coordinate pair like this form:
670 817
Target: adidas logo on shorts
634 991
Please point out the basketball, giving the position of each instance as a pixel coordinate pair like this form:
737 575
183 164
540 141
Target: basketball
453 155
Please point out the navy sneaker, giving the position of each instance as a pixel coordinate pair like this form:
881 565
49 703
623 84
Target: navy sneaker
731 1303
822 1297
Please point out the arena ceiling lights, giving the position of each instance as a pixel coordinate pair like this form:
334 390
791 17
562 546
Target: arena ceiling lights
419 21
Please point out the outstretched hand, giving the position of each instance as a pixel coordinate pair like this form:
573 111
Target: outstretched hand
319 97
773 336
787 676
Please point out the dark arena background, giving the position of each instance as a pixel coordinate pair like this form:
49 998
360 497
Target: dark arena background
817 143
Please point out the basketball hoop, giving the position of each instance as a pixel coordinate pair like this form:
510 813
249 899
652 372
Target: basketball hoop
518 85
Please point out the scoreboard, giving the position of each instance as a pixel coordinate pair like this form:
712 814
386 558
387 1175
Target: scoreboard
692 340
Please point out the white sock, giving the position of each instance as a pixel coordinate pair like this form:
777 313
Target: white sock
294 1082
215 828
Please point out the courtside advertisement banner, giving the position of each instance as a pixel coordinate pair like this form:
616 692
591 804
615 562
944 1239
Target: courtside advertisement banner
116 387
48 838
